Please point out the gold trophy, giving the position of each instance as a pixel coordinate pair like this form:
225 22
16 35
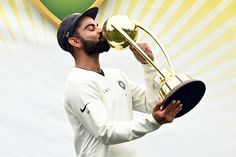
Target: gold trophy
120 31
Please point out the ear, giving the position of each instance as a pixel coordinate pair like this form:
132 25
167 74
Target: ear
75 42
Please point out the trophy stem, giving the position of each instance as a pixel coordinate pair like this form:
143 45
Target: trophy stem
139 50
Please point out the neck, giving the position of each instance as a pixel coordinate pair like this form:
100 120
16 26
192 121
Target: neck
88 62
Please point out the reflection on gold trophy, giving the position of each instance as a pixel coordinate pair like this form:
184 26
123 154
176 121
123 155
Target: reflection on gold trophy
120 32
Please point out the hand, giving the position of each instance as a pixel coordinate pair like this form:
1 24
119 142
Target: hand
146 49
168 114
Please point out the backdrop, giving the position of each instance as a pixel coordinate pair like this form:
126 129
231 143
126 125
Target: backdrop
199 36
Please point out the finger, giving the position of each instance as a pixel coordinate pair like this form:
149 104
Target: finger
172 106
137 54
140 58
143 46
178 103
132 49
178 109
158 106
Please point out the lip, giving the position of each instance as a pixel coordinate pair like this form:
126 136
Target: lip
101 37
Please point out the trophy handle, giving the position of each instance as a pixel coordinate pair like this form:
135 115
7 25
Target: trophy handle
141 26
137 48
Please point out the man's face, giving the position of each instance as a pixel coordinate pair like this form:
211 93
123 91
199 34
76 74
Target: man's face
91 37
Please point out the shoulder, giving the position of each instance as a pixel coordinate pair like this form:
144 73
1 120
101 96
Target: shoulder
114 72
78 74
80 78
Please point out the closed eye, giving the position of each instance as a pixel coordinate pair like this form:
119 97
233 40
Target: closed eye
91 27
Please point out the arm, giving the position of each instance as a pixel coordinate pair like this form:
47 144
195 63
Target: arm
96 118
145 97
162 116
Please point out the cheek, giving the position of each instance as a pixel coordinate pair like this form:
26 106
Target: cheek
93 36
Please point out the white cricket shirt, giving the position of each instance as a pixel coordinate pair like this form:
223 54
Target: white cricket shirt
100 110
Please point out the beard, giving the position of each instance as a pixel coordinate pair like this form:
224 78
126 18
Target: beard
95 47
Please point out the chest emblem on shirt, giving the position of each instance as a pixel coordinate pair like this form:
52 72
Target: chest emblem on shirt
121 84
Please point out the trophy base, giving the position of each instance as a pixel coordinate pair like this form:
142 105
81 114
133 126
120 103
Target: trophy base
189 93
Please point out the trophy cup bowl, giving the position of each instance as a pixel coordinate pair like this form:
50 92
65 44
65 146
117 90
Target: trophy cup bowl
120 31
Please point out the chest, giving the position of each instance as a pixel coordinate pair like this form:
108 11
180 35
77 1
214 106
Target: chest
115 94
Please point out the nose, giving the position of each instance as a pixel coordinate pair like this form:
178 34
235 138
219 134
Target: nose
99 30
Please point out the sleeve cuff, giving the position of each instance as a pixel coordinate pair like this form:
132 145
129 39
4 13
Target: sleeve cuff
155 124
149 68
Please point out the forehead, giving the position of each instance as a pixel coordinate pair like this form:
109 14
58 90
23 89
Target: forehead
86 21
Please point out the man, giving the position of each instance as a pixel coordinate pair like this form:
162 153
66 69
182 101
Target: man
100 101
